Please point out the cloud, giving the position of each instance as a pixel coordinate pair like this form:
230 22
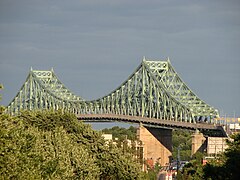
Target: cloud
100 43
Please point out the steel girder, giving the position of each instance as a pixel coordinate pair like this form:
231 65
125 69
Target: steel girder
154 90
43 90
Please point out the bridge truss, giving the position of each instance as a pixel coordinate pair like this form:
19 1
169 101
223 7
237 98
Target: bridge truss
153 90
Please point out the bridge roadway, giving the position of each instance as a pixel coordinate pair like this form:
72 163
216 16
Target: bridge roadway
207 129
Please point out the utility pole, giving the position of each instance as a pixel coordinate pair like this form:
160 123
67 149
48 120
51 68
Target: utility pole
178 157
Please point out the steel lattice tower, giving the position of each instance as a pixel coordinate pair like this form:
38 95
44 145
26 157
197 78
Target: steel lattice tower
153 90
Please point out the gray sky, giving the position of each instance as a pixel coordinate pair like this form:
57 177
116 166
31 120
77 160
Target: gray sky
94 45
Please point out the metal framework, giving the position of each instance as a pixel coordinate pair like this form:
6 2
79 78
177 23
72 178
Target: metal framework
154 90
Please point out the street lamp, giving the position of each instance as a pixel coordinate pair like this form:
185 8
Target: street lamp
178 157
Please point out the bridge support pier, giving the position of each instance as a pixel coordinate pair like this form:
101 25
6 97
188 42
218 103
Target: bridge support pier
198 143
157 144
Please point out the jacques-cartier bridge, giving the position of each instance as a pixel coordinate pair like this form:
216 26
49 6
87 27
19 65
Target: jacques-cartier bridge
153 95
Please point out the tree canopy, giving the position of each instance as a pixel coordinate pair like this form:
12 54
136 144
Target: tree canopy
225 166
182 139
122 133
228 165
55 145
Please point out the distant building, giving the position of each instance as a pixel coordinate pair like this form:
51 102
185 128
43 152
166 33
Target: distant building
107 137
136 147
210 145
227 120
216 145
234 127
231 125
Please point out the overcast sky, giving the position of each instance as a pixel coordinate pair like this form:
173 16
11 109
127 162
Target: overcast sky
94 45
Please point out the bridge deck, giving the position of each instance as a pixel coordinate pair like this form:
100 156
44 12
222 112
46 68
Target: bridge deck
207 129
146 121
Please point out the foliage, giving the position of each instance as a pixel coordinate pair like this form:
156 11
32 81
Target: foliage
182 139
193 169
227 167
30 153
1 107
55 145
153 172
122 133
1 87
224 167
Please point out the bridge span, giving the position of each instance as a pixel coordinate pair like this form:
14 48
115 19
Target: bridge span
154 96
153 90
205 128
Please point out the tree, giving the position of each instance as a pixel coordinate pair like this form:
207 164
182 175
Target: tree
122 133
55 145
193 169
227 166
1 107
182 139
29 153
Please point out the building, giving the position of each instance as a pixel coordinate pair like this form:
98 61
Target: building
107 137
135 147
216 145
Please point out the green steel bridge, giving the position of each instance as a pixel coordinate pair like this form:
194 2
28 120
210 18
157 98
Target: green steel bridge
154 95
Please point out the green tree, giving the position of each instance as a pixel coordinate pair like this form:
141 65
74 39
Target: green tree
1 107
122 133
228 165
55 145
182 139
192 170
29 153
